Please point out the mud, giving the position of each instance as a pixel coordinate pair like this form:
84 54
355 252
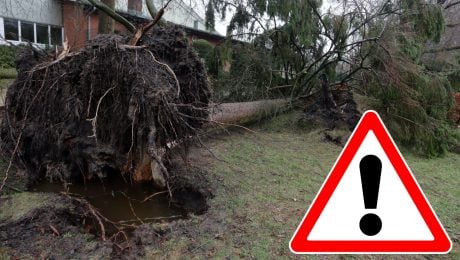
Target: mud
61 226
118 200
44 225
192 190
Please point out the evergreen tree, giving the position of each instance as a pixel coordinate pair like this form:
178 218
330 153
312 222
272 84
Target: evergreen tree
209 18
377 46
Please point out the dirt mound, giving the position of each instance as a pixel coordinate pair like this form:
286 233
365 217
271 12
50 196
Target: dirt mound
105 109
339 121
43 225
344 115
191 189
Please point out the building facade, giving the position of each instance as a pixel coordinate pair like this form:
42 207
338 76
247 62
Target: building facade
38 21
51 22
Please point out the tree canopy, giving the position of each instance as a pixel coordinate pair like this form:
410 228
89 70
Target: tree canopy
376 46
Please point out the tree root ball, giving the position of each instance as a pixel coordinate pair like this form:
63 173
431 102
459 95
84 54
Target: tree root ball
104 108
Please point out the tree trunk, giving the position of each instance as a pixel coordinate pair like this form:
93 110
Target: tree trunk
327 99
451 48
244 112
105 21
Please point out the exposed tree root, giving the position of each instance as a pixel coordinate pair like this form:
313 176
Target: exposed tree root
98 111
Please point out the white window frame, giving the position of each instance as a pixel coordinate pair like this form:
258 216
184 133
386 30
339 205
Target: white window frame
49 35
19 31
2 31
35 32
40 45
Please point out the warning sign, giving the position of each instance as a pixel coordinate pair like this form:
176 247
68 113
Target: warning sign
370 202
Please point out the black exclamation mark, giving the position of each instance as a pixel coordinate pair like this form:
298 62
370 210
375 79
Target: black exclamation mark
370 168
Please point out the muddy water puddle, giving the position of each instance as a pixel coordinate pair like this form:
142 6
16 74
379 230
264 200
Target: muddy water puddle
120 201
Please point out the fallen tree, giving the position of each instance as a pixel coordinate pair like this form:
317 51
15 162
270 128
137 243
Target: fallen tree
114 107
245 112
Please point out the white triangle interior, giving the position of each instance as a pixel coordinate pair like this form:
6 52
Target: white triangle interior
340 218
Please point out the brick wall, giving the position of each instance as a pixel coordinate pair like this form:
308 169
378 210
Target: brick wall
75 22
76 28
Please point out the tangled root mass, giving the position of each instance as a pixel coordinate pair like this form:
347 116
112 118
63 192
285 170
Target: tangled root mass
103 108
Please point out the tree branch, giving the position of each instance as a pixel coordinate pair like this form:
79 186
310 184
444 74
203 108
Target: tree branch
451 4
151 8
442 49
450 25
147 27
107 10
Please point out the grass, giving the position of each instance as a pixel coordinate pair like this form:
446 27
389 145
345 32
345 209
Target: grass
8 73
7 76
22 204
264 183
15 181
5 82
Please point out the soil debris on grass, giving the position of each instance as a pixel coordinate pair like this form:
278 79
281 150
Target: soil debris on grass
258 186
191 187
339 120
79 228
42 225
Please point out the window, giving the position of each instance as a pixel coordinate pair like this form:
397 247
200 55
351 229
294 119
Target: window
56 35
16 30
11 29
27 32
135 5
195 24
42 34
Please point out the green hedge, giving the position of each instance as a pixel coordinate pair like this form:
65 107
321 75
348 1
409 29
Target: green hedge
210 56
7 56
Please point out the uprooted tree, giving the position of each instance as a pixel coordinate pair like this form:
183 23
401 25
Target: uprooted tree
375 47
113 107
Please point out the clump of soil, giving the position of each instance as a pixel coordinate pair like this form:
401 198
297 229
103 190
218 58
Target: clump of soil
45 225
107 109
339 121
191 190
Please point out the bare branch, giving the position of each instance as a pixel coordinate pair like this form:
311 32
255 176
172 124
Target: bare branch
147 27
107 10
451 4
151 8
442 49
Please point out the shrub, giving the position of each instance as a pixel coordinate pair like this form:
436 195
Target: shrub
209 55
249 77
7 56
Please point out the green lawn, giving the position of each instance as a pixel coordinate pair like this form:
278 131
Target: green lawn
264 183
8 73
7 76
5 82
